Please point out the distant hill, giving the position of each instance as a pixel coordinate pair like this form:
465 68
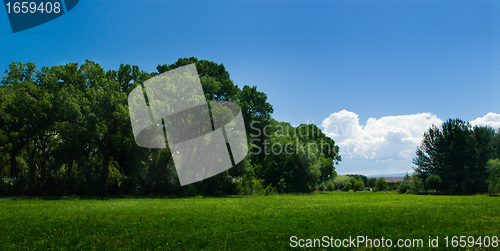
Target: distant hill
389 175
394 179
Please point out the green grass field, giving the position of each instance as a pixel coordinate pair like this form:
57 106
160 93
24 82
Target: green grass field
265 222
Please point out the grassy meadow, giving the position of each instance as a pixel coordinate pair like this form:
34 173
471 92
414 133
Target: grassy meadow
240 223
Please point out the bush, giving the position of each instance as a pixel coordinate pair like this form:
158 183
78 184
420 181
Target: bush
347 187
321 187
433 182
359 185
416 185
494 178
340 181
404 187
258 186
270 190
352 181
240 190
330 186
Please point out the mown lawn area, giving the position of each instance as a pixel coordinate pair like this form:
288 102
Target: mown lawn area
240 223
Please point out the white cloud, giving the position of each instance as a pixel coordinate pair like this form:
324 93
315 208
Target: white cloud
342 125
392 137
386 145
491 119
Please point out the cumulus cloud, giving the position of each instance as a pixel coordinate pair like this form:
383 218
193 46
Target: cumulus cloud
391 137
491 119
388 143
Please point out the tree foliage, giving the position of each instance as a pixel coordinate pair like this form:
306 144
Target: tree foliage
457 153
341 181
359 185
371 182
494 178
66 130
433 182
380 185
296 159
363 178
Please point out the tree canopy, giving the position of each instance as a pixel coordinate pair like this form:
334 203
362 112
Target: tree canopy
66 130
455 157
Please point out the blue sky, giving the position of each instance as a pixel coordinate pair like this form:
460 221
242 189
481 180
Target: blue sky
314 59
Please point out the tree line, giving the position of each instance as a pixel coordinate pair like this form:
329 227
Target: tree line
65 130
458 158
455 158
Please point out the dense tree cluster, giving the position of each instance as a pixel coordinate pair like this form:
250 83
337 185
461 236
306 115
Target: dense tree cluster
354 182
294 158
455 158
66 130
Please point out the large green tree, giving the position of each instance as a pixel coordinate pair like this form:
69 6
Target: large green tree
296 159
457 153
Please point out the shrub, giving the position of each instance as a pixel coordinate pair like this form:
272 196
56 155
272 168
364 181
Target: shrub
330 186
359 185
352 180
404 187
240 190
257 186
494 178
340 181
270 190
347 187
433 182
321 187
416 185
